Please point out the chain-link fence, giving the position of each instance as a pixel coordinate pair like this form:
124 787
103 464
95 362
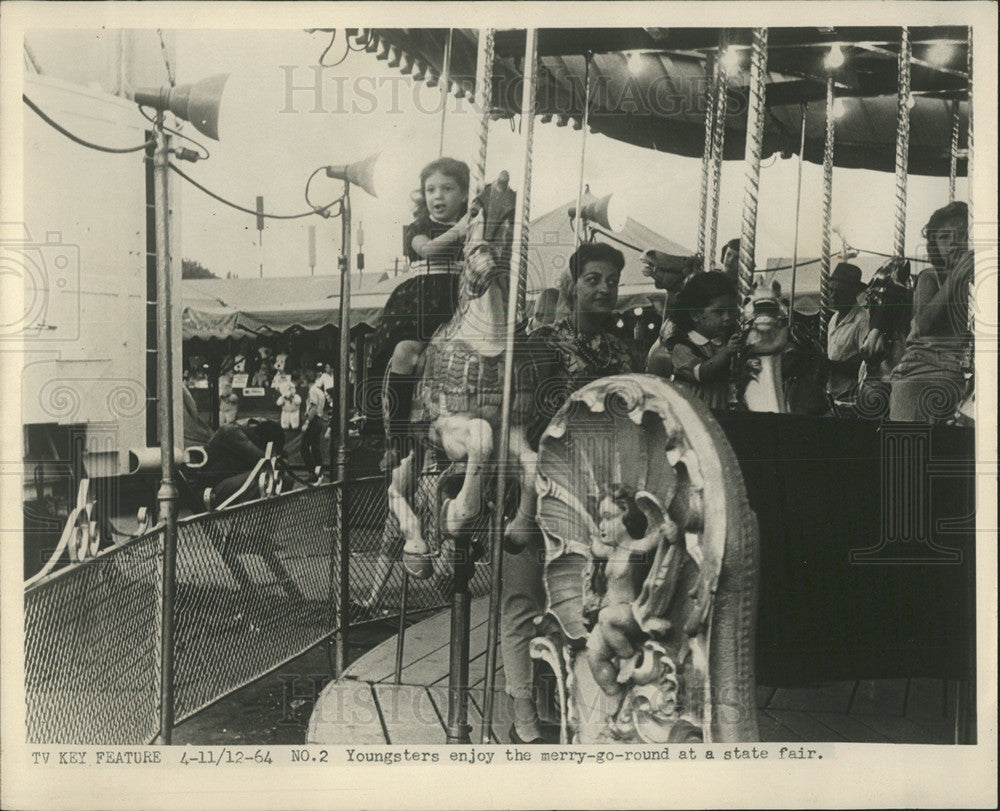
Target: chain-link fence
92 648
256 585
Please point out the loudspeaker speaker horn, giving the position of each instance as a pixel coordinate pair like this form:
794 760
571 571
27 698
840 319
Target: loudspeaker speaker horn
601 212
197 103
360 173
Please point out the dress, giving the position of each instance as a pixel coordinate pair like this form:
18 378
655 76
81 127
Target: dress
929 380
688 352
421 304
555 361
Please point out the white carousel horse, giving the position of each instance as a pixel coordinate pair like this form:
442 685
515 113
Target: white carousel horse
651 568
781 370
460 392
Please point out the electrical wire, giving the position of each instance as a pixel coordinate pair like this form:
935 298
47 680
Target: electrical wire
75 138
238 207
178 133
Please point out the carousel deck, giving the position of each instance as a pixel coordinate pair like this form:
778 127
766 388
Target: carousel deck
367 707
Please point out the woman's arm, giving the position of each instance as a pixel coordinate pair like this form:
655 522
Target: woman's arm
934 305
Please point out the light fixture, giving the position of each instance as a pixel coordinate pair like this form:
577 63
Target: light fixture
940 53
834 58
634 62
732 59
911 102
637 311
619 323
839 108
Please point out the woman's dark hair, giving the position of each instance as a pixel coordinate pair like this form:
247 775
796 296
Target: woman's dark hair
449 167
595 252
699 292
953 217
733 243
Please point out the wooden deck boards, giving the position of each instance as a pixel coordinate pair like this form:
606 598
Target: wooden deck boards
367 707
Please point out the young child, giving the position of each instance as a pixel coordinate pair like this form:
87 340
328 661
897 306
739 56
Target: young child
420 305
705 341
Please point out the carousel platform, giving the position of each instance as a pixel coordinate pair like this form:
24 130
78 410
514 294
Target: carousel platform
367 707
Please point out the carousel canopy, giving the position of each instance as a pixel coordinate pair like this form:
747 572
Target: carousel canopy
237 308
648 86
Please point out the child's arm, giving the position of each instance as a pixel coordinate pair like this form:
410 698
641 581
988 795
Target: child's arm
717 366
427 248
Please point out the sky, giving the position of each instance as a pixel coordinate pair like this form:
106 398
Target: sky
273 137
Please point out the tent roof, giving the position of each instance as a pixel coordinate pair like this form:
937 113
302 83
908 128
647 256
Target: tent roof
661 104
224 308
552 239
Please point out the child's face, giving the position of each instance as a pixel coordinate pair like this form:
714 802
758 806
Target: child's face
444 197
718 318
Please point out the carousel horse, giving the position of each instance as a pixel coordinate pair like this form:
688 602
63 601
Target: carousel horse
651 568
889 301
782 369
458 399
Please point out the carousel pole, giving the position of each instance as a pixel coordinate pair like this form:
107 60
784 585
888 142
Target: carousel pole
953 151
718 144
706 161
902 143
798 211
578 219
518 277
825 258
445 87
755 135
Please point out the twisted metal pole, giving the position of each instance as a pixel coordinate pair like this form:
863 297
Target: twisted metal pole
518 281
718 144
953 151
825 258
578 219
484 97
755 135
968 138
798 212
902 142
706 160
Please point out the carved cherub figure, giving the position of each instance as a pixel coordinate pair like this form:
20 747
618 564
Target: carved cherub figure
632 527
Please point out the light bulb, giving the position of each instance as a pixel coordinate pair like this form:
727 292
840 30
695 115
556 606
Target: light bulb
732 59
834 58
637 311
910 102
940 53
619 323
839 108
634 62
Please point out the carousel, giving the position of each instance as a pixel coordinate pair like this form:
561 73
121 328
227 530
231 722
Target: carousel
689 556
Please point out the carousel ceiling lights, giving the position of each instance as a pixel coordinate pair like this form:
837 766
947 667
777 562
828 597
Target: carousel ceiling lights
732 58
940 53
834 58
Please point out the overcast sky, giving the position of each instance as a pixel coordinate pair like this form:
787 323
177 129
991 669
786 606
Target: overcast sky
272 140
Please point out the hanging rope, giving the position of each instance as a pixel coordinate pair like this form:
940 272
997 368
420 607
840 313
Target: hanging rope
755 135
953 168
706 159
578 220
718 142
825 258
902 142
445 88
484 97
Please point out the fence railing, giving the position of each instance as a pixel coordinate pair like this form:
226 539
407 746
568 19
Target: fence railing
256 586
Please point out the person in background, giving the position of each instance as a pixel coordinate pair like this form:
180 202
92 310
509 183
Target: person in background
558 359
729 256
706 339
313 429
929 380
668 273
846 331
232 452
545 309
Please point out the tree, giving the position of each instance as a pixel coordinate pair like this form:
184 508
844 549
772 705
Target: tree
193 269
